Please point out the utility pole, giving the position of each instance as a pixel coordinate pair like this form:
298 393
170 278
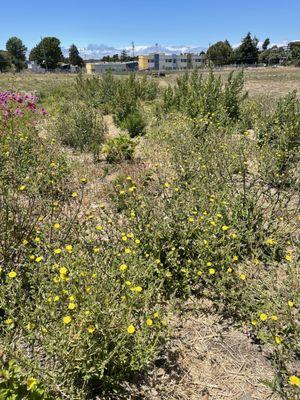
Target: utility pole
133 48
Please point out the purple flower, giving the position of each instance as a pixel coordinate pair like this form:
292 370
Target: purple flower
19 112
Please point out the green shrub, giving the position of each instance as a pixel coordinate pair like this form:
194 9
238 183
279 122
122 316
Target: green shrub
119 149
279 138
81 126
199 97
134 123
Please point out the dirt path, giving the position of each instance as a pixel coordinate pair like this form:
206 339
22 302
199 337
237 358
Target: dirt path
207 359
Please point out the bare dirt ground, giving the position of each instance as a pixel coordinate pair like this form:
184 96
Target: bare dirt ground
207 359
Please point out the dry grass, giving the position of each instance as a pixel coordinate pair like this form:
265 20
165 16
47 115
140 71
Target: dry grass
207 359
259 81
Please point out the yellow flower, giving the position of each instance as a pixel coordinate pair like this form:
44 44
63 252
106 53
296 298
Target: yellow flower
149 322
123 267
96 250
63 271
191 219
74 194
22 187
91 329
57 251
254 322
212 271
278 339
69 248
131 329
124 238
155 314
83 180
56 279
242 277
270 242
294 380
199 273
225 228
235 258
99 227
39 259
122 192
8 321
137 241
274 318
72 298
127 250
31 383
25 242
67 319
288 257
209 264
12 274
290 303
71 306
136 289
56 298
263 317
229 269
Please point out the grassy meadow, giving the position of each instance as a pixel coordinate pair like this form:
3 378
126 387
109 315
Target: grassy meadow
125 202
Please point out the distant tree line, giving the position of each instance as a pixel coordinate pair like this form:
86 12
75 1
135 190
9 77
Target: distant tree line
48 54
248 53
123 57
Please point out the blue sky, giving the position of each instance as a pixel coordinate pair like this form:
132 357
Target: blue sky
176 22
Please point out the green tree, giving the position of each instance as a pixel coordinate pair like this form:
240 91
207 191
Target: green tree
266 44
220 53
47 53
17 51
74 57
124 56
294 48
247 52
5 61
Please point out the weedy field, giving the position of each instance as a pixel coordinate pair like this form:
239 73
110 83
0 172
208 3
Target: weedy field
149 242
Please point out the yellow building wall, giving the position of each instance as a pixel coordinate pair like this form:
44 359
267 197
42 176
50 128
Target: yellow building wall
89 68
143 62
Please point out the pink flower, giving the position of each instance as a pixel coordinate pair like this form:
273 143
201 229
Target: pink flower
19 112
